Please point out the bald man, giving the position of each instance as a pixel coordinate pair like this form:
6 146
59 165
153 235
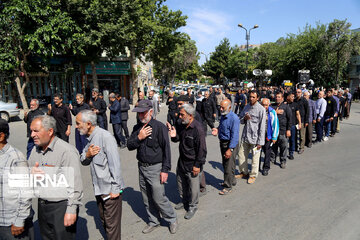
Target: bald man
228 132
271 133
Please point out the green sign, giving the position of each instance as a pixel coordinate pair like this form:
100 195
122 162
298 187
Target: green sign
110 68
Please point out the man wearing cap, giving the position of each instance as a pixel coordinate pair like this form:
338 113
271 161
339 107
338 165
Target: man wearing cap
99 107
15 220
151 140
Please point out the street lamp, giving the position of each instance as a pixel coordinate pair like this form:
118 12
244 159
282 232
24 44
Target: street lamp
247 45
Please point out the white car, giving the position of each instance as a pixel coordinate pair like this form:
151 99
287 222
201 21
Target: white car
8 110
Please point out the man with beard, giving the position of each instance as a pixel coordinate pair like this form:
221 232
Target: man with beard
115 120
320 111
192 149
228 132
103 157
171 102
151 140
312 119
253 137
304 115
154 102
62 115
80 140
284 115
295 123
98 105
219 98
28 117
329 113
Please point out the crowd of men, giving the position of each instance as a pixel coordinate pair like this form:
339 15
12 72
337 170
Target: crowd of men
276 121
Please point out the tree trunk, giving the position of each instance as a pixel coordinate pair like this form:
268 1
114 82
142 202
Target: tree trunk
133 78
94 75
21 92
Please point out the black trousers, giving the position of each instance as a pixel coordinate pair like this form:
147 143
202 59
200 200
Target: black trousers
171 118
110 215
267 151
51 221
281 143
80 141
62 136
334 125
309 134
117 133
228 165
189 187
125 128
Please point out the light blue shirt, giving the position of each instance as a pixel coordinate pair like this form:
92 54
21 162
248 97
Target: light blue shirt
229 128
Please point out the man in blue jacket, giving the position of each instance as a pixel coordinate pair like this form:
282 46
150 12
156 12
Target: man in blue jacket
271 133
115 119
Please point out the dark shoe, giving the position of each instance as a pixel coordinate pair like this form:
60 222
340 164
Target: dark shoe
173 227
149 229
179 206
283 165
301 151
265 172
189 214
291 157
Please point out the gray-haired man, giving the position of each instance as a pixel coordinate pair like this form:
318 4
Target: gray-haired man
103 157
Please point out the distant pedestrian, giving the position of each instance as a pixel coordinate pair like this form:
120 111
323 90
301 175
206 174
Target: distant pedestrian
98 105
62 115
320 111
312 119
172 108
80 140
125 107
154 102
115 120
28 117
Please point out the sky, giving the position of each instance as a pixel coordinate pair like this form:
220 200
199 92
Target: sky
210 21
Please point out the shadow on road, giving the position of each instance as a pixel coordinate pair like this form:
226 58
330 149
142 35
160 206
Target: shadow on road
171 190
213 181
134 199
92 210
81 229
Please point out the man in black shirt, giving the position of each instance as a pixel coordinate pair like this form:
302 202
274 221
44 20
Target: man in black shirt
115 120
295 123
62 115
329 114
151 140
208 111
125 107
304 114
190 95
80 140
28 117
284 115
192 149
171 102
98 105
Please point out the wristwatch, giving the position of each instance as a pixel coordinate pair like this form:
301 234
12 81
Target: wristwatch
231 149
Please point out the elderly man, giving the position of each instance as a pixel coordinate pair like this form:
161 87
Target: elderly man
57 208
151 140
228 132
312 119
219 98
304 115
15 219
192 150
320 111
208 111
271 133
154 102
253 137
98 105
104 160
28 117
283 112
62 115
80 140
115 120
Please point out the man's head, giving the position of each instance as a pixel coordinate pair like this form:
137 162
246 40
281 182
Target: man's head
141 95
151 94
4 131
187 113
182 99
144 110
290 98
306 95
188 91
58 99
86 120
207 94
253 97
95 93
34 104
321 94
225 106
265 103
329 93
43 130
79 98
340 93
211 89
219 90
112 97
199 93
298 93
118 96
171 94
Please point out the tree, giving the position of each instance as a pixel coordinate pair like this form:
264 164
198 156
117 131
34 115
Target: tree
218 60
33 30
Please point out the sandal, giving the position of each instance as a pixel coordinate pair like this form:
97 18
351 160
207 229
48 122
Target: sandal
225 191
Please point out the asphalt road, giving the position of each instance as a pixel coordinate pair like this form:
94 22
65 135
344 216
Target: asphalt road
316 197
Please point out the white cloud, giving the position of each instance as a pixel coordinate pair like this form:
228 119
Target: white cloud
203 25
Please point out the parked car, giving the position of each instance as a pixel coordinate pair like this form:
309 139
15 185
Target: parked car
8 110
